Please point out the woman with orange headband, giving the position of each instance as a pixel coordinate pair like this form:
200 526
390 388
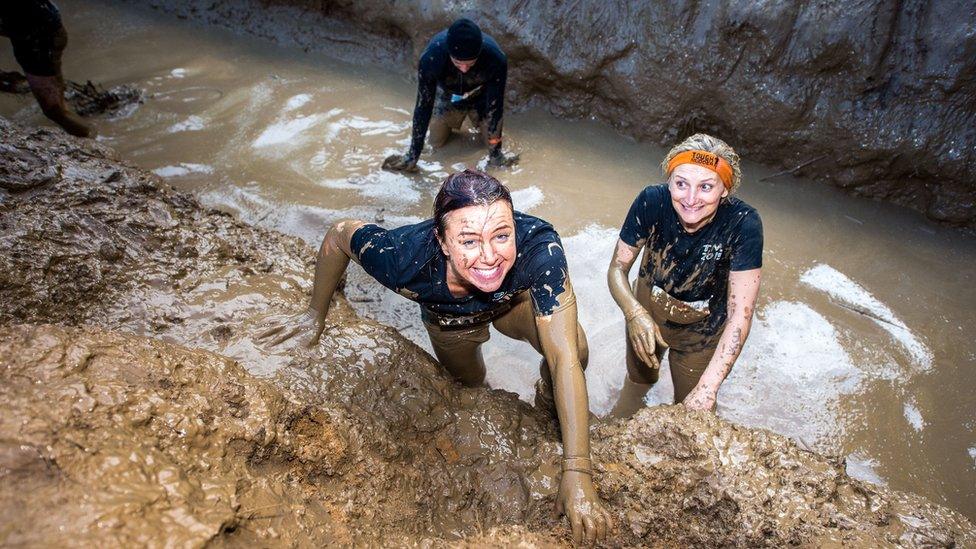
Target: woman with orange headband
699 277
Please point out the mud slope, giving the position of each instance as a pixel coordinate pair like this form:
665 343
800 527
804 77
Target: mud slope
123 422
877 97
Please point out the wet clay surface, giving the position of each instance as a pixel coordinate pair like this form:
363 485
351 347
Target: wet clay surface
875 97
119 416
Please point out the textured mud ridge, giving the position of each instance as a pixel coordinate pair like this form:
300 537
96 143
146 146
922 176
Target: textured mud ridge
134 408
876 97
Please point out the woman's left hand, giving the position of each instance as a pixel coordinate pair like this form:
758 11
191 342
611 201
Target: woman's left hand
577 499
700 398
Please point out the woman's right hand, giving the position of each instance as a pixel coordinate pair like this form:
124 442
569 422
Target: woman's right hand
644 337
305 326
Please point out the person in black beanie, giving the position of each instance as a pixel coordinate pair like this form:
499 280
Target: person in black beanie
461 74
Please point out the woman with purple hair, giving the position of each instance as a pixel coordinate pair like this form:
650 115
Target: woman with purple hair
479 262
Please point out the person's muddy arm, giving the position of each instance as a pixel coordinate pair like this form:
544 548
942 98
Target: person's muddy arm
424 108
577 497
641 332
330 265
495 97
743 291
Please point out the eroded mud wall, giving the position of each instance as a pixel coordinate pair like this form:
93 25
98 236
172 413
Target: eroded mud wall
877 97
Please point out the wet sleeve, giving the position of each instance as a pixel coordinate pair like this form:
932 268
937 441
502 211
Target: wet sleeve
376 253
495 96
548 270
748 244
422 111
637 224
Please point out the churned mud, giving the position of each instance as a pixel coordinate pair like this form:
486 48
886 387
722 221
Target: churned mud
136 409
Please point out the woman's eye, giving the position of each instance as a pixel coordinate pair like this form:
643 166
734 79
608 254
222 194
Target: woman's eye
502 238
468 243
706 187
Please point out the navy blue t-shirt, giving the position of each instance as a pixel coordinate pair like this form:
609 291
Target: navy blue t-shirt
409 261
694 266
484 81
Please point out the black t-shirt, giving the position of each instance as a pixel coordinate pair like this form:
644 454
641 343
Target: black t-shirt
409 261
694 267
24 19
484 81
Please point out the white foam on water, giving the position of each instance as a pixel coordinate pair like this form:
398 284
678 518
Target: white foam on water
790 375
394 188
841 288
972 454
863 468
366 126
528 198
429 166
297 101
183 169
192 124
285 131
913 416
178 73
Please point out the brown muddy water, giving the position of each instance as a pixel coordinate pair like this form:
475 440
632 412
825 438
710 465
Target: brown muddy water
862 345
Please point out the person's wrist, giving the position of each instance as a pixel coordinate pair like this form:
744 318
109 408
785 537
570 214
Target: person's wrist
634 313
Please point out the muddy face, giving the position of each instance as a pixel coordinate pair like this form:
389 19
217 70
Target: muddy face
695 194
479 243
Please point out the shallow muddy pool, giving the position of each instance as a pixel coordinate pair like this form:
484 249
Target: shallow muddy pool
862 345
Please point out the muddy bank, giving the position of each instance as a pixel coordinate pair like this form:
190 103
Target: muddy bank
122 415
875 97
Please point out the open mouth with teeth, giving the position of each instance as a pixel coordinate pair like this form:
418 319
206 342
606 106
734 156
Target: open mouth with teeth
487 277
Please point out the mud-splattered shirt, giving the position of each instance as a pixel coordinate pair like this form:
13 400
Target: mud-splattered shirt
409 261
484 85
693 267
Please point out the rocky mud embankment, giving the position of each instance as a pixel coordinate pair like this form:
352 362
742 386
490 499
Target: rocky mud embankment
876 97
136 410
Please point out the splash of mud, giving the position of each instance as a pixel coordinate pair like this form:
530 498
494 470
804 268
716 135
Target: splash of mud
91 99
124 421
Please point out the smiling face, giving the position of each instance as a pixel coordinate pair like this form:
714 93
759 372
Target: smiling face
479 242
695 194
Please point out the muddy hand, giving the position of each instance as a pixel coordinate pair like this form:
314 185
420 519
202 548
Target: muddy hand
700 398
644 337
498 159
577 499
305 326
400 163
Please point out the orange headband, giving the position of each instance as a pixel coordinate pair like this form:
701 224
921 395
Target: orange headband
704 159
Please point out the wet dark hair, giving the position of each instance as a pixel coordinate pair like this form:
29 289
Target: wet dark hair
463 189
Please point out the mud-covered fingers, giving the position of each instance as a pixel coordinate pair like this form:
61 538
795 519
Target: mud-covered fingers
269 332
640 348
576 522
602 523
589 527
284 336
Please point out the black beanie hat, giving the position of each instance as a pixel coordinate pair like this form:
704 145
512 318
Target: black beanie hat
464 40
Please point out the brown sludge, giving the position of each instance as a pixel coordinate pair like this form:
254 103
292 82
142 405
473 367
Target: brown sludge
121 424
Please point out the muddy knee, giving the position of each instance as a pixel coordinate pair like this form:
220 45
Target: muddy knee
439 132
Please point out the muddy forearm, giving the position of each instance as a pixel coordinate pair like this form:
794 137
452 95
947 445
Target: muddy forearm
558 336
330 265
620 289
743 292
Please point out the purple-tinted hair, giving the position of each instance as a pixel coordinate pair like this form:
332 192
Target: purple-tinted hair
467 188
